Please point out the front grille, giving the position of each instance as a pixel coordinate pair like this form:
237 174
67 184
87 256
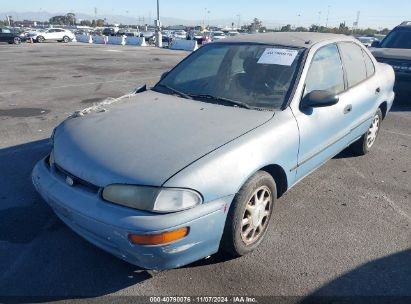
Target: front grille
77 182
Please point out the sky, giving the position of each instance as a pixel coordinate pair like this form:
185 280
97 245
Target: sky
374 13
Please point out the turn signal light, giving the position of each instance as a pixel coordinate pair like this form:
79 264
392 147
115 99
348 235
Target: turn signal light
158 239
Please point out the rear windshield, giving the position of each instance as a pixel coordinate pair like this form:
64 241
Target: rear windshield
398 39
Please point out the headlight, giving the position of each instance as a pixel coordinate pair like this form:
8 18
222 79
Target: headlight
153 199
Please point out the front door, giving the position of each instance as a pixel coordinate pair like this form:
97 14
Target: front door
323 131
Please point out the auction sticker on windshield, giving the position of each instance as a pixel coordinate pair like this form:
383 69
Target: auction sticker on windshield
278 56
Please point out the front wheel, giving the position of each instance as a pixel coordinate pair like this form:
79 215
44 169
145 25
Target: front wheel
367 141
66 39
249 216
40 39
17 40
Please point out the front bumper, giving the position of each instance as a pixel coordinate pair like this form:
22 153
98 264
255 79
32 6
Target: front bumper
107 226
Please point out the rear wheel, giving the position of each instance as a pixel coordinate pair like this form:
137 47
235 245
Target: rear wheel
17 40
249 216
66 39
367 141
40 39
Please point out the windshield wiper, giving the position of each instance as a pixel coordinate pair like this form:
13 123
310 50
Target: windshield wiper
181 94
223 99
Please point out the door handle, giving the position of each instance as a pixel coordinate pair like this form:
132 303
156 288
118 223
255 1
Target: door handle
347 109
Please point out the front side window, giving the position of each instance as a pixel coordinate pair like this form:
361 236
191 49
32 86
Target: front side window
353 59
398 39
326 72
254 75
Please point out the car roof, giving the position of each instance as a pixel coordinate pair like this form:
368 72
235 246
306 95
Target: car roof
293 39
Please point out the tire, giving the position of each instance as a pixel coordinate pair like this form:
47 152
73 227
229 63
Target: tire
66 39
364 145
40 39
243 215
17 40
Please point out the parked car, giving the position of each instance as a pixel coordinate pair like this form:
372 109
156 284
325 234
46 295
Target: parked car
179 34
217 35
395 50
367 41
237 124
110 31
11 36
233 33
149 36
53 34
198 36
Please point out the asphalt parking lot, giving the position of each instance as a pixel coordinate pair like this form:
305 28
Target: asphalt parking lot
343 231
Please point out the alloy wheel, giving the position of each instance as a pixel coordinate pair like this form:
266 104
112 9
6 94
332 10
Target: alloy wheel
373 131
256 215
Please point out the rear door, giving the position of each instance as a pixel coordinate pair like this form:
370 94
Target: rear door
323 131
363 87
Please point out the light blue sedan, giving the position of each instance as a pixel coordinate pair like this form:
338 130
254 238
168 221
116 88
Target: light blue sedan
197 163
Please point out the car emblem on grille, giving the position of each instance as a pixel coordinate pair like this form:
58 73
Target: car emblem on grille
69 181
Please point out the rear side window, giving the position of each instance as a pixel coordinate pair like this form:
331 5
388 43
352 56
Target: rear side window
369 65
354 63
326 72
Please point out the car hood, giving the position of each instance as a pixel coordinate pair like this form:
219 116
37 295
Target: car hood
148 138
392 53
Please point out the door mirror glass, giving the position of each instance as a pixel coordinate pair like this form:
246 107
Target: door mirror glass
319 99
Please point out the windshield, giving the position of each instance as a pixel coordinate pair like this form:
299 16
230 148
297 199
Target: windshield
398 39
247 75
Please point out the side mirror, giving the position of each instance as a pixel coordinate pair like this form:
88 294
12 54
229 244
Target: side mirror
164 75
319 99
375 44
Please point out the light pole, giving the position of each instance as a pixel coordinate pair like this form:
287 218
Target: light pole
205 18
159 38
328 15
319 18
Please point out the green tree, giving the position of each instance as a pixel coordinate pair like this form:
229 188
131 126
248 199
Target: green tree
71 19
100 23
68 19
343 29
314 28
286 28
85 23
384 31
301 29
